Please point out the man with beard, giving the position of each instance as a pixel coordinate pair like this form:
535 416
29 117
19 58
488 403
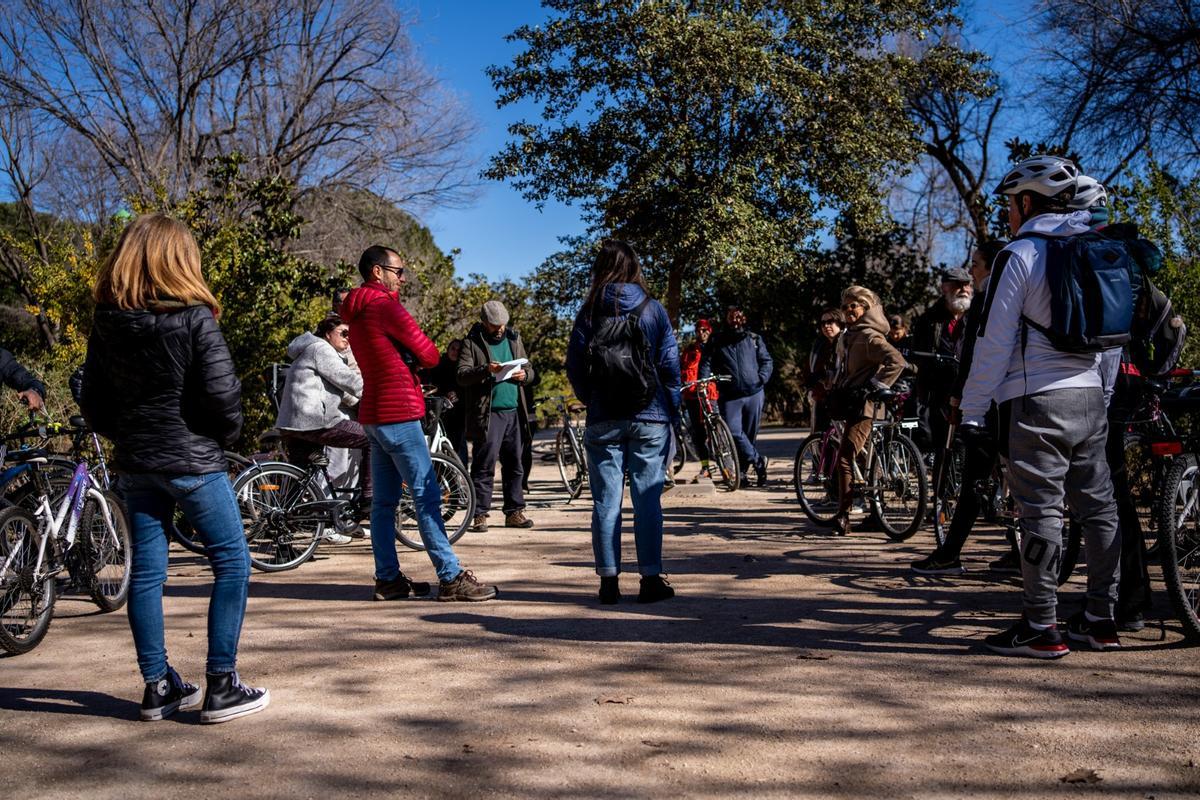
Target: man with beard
940 329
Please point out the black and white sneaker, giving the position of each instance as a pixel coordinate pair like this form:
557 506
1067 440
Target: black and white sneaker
226 698
1099 634
1023 639
167 695
936 565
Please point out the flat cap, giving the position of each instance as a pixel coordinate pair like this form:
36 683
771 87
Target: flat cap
494 313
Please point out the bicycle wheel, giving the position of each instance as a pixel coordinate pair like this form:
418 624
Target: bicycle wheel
284 512
815 478
106 552
571 465
458 505
723 453
899 486
946 500
26 601
183 532
1179 542
1072 545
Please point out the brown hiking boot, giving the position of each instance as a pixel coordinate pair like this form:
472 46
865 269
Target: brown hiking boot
466 588
517 519
479 524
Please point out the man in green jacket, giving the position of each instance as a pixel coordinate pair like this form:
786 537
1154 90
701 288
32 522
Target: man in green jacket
492 368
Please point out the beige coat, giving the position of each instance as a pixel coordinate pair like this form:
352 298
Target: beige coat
865 356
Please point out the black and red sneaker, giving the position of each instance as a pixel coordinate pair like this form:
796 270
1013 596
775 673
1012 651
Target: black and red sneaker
1100 634
1023 639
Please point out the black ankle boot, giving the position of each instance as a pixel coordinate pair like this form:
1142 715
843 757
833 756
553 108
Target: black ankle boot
610 591
226 698
655 588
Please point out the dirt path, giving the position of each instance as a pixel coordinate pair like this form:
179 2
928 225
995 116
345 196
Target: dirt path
790 665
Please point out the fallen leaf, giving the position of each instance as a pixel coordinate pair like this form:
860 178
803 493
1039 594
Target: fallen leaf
612 698
468 748
1082 776
652 743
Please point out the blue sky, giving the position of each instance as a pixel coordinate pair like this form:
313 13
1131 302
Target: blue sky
502 235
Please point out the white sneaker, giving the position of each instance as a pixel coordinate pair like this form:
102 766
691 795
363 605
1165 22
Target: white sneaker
337 538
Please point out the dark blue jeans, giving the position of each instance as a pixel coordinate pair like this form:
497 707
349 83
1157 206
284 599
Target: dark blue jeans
742 415
399 455
639 449
208 503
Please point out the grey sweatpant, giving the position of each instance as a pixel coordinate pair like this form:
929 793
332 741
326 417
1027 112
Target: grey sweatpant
1056 447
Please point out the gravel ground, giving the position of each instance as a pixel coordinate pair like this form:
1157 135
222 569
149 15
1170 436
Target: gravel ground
791 664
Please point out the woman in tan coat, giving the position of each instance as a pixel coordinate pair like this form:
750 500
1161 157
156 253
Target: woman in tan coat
865 360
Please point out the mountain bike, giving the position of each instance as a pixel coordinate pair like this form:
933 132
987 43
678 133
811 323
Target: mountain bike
893 480
718 438
568 445
1177 516
87 537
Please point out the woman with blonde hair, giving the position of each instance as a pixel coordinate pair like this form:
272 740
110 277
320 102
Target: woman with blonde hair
866 361
160 383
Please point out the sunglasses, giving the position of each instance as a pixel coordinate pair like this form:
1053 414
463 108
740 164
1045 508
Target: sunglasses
849 306
398 270
829 321
342 332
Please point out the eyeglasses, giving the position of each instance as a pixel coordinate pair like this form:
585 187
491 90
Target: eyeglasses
398 270
849 306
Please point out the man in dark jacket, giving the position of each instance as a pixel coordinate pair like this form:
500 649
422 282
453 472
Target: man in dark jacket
741 354
29 389
940 330
445 377
497 413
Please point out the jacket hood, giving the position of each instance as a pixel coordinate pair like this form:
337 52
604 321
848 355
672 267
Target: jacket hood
630 294
366 295
873 319
302 343
1072 224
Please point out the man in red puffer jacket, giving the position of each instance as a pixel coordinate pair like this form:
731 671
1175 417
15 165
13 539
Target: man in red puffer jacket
689 366
389 347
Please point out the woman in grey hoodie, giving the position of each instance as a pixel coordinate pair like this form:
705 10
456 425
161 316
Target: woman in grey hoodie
320 389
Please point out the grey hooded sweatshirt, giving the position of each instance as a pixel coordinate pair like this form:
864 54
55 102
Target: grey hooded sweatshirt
319 385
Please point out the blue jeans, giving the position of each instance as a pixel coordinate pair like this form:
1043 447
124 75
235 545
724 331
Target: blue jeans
742 415
399 456
208 503
639 448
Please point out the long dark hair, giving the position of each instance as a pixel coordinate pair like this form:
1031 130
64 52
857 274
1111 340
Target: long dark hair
615 263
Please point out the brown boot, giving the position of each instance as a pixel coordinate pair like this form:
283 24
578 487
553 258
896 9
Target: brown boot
465 588
479 524
517 519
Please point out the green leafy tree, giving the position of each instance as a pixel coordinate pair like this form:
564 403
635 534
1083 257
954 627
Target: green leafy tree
717 136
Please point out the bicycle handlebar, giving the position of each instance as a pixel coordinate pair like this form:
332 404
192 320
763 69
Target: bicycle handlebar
939 358
709 379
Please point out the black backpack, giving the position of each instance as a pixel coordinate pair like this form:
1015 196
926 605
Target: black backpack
1158 333
1090 278
620 362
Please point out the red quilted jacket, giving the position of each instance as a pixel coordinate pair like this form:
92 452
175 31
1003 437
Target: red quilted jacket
382 332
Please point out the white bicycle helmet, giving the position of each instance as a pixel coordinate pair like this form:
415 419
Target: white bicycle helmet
1049 176
1089 193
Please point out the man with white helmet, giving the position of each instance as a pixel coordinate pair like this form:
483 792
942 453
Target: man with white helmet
1057 423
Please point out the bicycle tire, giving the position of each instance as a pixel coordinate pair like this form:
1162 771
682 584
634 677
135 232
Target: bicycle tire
820 504
182 530
1072 546
946 500
907 482
457 503
25 609
723 452
572 469
1179 542
108 572
283 525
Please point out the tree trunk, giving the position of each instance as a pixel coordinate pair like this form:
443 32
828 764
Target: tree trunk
675 290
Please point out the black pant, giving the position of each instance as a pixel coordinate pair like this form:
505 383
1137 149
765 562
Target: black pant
981 455
503 441
1134 592
696 418
301 445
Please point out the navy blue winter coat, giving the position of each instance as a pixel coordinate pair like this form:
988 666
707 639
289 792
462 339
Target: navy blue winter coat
742 355
664 349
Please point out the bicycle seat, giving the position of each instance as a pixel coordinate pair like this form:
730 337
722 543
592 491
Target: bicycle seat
882 395
576 408
270 437
77 422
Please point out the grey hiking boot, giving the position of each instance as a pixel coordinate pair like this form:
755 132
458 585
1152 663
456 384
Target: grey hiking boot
465 587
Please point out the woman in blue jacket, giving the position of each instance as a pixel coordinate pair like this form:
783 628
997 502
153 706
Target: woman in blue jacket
620 441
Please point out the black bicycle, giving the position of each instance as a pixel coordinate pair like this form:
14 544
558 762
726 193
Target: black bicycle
717 437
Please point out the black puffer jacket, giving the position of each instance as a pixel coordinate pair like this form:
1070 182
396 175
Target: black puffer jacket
160 384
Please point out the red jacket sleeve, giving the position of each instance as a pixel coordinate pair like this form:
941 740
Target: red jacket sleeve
399 325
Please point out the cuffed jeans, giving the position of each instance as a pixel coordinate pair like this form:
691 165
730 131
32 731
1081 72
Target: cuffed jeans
1056 451
400 456
742 415
208 503
640 449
